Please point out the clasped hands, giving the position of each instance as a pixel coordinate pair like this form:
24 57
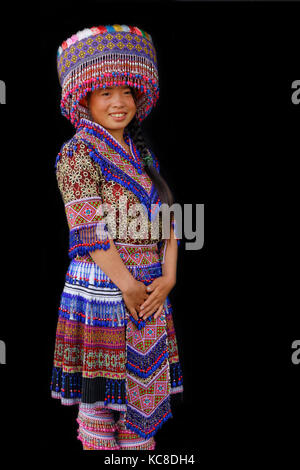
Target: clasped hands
142 301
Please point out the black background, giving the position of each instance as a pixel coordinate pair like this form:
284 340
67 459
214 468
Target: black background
226 132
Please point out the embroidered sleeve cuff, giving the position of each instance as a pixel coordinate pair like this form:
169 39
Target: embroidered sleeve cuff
88 232
88 238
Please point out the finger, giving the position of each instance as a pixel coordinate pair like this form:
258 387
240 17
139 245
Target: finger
146 304
148 308
150 311
151 287
146 290
134 314
149 314
159 312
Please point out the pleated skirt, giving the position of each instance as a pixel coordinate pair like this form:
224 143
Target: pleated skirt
104 357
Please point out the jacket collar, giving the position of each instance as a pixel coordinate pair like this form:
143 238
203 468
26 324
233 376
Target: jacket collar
116 164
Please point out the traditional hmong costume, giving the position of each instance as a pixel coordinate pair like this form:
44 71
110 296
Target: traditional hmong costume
104 359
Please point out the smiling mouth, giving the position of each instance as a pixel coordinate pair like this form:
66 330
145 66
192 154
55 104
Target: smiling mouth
118 114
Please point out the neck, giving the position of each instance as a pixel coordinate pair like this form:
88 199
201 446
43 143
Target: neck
118 134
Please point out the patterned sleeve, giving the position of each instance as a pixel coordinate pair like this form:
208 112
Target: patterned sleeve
79 182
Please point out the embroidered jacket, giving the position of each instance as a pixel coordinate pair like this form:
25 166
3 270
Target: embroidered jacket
100 187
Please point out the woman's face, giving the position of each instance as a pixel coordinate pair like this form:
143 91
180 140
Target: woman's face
112 107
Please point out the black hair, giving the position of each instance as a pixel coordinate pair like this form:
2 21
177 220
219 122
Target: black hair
161 185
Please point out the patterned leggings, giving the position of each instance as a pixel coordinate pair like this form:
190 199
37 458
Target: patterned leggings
99 431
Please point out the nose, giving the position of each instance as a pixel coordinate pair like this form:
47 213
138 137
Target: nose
118 99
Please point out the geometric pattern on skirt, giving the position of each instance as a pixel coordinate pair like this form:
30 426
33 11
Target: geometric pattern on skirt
103 357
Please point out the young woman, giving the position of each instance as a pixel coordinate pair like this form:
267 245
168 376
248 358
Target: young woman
116 353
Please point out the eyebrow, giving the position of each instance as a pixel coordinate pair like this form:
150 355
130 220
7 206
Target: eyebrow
111 87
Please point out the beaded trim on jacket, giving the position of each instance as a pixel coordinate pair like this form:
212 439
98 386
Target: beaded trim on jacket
95 137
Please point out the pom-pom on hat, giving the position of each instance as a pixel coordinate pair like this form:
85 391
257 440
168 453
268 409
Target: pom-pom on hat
106 56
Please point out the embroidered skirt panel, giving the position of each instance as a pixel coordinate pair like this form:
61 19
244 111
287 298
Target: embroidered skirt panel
103 356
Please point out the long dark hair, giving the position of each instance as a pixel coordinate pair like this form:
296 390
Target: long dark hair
159 182
164 192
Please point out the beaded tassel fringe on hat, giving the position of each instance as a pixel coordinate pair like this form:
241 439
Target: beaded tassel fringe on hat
107 56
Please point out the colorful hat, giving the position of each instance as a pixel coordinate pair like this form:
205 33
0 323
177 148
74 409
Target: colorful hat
107 56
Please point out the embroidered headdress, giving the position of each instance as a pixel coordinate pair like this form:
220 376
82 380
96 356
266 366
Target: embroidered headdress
104 56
